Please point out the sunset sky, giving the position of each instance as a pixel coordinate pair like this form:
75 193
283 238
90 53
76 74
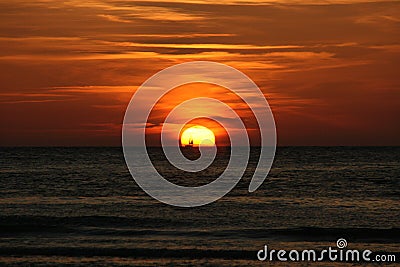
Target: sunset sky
329 69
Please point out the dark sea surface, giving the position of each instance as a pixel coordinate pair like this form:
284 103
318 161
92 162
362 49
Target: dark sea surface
80 206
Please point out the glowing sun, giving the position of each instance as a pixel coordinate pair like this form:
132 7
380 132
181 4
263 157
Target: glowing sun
197 135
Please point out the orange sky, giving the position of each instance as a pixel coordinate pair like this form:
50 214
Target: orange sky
329 69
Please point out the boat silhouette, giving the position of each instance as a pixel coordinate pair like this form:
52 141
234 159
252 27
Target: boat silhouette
190 143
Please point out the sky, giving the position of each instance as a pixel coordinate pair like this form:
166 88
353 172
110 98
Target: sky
329 69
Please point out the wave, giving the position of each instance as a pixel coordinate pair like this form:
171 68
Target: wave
124 226
135 253
148 253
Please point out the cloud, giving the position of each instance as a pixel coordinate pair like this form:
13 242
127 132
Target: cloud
114 18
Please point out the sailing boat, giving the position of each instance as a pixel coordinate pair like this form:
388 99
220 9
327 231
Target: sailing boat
190 142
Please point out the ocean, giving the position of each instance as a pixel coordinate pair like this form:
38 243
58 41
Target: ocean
81 207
